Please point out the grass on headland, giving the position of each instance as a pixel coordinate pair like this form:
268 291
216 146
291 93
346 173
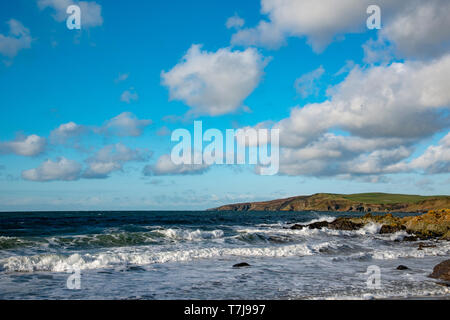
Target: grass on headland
387 198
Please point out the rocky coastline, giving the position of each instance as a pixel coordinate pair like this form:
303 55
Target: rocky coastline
434 226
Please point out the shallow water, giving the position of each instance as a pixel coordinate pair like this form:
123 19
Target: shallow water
189 255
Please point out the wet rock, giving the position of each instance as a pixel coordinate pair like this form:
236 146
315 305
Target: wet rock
402 267
318 225
391 229
240 265
410 238
344 224
441 271
297 226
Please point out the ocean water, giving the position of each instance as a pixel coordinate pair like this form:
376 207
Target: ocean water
189 255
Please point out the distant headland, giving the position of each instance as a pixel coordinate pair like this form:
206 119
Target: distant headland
360 202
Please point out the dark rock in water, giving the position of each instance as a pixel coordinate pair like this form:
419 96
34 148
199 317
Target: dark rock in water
240 265
425 245
402 267
344 224
410 238
441 271
135 268
314 225
391 229
318 225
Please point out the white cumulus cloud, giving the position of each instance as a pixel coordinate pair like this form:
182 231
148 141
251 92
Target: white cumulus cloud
61 169
67 131
416 28
125 124
112 158
31 145
214 83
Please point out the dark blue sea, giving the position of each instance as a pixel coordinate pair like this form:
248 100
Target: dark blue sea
190 255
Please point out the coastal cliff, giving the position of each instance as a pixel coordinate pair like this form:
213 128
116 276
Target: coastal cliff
363 202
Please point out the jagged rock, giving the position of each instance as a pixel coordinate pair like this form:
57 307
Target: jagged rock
391 229
441 271
318 225
240 265
344 224
402 267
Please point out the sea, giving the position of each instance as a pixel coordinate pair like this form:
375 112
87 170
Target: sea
191 254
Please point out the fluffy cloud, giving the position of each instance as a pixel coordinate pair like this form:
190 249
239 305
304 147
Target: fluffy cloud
235 22
67 131
125 124
31 145
306 85
435 159
318 21
91 12
333 155
111 158
416 28
384 111
165 166
214 83
404 100
61 169
419 29
18 38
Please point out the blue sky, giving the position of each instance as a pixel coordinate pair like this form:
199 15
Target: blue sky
358 110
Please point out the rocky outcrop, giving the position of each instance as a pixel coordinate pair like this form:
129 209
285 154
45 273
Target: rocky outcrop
434 224
368 202
345 224
441 271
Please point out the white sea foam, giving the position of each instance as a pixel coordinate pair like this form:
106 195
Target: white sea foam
320 219
370 228
182 234
440 250
145 256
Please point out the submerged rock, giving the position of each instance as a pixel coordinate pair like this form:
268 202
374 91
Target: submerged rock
402 267
240 265
441 271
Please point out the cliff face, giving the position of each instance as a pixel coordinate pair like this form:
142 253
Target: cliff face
369 202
